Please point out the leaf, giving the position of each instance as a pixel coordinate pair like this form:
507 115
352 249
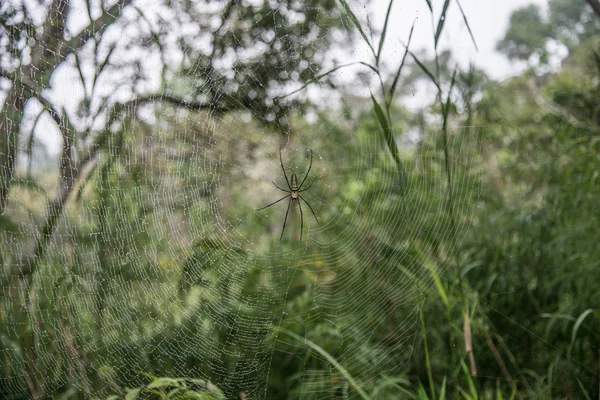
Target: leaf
429 5
472 388
163 382
397 77
329 358
446 107
467 24
356 23
375 69
443 390
383 33
132 394
389 139
316 79
577 325
441 21
498 391
426 70
436 278
583 390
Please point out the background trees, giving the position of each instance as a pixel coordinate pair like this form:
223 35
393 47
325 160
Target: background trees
141 257
568 23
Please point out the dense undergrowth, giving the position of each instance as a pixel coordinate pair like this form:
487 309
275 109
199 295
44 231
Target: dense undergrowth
488 290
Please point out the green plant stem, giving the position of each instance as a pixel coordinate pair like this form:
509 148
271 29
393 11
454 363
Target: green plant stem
427 359
329 358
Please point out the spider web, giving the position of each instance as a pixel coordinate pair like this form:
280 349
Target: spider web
142 253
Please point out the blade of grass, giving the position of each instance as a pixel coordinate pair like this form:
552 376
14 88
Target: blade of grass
375 69
426 348
445 112
473 395
446 109
441 21
498 391
389 140
429 5
329 358
577 325
422 393
436 278
357 24
467 24
317 78
383 33
397 77
426 70
583 390
443 390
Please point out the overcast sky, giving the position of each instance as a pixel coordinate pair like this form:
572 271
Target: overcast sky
488 20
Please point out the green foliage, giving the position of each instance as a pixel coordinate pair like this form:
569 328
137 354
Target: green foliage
480 283
526 36
569 22
573 22
173 389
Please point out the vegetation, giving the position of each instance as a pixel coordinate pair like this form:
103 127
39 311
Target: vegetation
462 263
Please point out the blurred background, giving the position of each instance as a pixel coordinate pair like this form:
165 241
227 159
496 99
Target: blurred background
447 240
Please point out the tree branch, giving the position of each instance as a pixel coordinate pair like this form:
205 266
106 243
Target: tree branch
98 26
29 85
190 105
29 263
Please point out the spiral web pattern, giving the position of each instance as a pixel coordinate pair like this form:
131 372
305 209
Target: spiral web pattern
159 261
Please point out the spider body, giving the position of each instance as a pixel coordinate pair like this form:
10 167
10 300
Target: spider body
294 195
294 188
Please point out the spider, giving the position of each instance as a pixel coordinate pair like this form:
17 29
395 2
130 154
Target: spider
294 195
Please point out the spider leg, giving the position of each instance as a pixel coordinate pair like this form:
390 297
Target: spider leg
275 202
311 210
309 167
283 190
285 220
301 220
308 187
283 169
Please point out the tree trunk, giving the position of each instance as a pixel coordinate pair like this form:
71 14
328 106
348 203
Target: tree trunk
10 123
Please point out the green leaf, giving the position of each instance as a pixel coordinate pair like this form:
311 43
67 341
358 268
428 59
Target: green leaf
132 394
577 325
472 388
383 33
443 390
441 21
421 392
397 77
329 358
356 23
446 106
375 69
163 382
317 78
467 24
389 139
429 5
583 390
426 70
436 278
